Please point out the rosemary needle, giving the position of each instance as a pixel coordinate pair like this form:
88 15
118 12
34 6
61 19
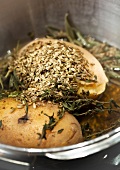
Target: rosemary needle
1 83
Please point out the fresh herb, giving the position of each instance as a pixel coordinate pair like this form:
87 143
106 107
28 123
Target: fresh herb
99 133
60 113
60 131
82 107
0 123
108 56
48 126
55 32
39 136
52 122
69 29
9 81
24 118
78 106
45 128
1 83
13 94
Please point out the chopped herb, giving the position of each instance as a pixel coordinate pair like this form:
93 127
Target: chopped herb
67 98
45 127
48 126
61 113
52 122
24 118
0 123
39 135
60 131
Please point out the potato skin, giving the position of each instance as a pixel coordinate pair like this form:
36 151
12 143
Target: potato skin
27 134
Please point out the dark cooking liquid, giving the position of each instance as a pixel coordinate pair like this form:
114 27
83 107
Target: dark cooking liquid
103 122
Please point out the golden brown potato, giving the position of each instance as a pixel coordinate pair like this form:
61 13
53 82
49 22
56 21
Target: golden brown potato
19 131
94 88
40 65
94 79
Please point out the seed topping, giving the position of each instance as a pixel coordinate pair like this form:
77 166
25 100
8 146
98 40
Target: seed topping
41 64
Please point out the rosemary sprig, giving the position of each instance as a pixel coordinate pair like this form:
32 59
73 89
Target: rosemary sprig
82 107
106 58
78 106
73 34
10 86
69 29
98 49
103 131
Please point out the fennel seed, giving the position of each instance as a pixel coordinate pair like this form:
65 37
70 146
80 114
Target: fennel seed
40 65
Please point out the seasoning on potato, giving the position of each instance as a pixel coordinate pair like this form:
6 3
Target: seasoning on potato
51 90
43 127
44 62
40 66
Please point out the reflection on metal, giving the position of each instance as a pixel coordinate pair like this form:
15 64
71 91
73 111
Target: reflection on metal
116 160
105 156
85 151
99 18
14 161
10 164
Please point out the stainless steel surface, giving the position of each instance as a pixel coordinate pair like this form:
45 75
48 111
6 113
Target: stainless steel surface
9 164
99 18
111 140
63 153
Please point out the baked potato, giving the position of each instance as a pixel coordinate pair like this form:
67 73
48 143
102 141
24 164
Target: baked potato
73 63
33 130
38 66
